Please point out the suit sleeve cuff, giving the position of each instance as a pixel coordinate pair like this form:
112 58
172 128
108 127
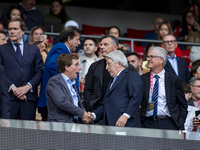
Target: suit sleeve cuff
31 90
94 115
10 87
127 115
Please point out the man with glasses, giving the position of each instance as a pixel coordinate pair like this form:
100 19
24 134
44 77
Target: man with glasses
163 105
195 89
175 64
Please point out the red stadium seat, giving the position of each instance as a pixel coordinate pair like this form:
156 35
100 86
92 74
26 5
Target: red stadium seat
186 56
138 34
94 30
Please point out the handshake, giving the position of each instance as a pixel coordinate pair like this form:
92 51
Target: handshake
88 117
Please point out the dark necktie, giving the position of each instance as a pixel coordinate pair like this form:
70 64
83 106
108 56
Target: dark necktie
155 95
18 52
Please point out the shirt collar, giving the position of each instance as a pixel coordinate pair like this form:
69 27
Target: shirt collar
67 79
171 57
21 42
159 74
120 72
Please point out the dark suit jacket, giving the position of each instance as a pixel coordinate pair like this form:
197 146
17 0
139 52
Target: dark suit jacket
60 103
176 101
29 70
191 101
183 71
4 97
93 89
125 96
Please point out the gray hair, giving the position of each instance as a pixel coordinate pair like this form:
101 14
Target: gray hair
161 53
193 79
118 56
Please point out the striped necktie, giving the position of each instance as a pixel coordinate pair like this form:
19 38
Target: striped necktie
155 95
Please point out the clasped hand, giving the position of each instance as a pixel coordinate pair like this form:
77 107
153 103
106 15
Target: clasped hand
88 117
20 92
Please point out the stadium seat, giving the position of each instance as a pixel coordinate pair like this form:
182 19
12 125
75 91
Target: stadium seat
94 30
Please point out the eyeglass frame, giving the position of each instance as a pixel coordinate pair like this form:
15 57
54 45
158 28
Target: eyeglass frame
152 56
171 41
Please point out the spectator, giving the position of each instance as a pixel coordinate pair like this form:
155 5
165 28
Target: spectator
3 37
69 38
164 105
191 109
115 31
195 89
164 29
153 36
89 57
195 69
97 78
175 64
196 10
135 60
188 25
1 26
144 62
123 96
23 67
15 12
64 104
57 11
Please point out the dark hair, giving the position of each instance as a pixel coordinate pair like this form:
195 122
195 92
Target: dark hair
68 32
135 54
114 39
186 87
112 28
65 60
3 32
94 40
194 67
62 15
8 14
184 24
147 49
21 23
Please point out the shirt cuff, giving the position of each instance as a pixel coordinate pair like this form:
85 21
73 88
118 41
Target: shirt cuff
94 115
31 90
127 115
10 87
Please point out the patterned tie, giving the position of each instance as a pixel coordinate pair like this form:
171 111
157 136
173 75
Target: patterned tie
113 81
18 52
155 95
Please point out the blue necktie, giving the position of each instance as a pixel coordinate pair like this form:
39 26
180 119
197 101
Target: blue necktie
18 52
155 95
113 81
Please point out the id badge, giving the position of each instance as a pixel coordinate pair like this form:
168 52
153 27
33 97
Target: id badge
151 106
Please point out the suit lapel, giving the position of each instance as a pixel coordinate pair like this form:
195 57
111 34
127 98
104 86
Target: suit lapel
117 81
179 65
101 70
167 86
25 52
12 51
147 90
170 66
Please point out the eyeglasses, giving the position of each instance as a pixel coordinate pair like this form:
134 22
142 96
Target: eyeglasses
171 41
197 86
152 56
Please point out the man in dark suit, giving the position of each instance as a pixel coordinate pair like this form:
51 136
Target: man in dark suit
4 97
98 78
63 101
123 96
164 105
23 66
175 64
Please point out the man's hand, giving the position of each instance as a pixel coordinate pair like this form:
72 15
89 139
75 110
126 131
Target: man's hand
5 123
86 117
121 122
20 91
195 124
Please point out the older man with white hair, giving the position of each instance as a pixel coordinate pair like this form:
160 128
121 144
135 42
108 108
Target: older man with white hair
164 105
124 94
